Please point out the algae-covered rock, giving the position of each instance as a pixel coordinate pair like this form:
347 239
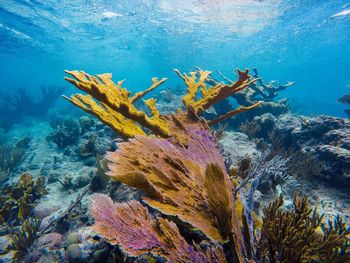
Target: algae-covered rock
74 253
73 238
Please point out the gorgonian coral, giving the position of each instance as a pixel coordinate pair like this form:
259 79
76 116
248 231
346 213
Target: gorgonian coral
300 236
131 226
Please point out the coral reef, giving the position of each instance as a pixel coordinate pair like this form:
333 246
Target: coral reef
183 167
15 107
181 174
322 140
301 236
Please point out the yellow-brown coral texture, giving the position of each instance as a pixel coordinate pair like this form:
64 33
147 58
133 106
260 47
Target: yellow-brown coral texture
114 105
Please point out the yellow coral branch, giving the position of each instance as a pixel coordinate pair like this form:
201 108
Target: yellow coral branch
140 94
115 120
195 82
117 108
233 112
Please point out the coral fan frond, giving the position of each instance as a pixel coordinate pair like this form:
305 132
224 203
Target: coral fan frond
115 103
137 232
187 181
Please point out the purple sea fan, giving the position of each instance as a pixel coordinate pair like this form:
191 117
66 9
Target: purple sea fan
127 224
137 232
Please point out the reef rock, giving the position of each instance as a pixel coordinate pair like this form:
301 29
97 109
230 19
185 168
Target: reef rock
236 146
326 138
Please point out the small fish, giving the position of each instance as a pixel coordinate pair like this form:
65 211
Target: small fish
110 14
345 99
211 110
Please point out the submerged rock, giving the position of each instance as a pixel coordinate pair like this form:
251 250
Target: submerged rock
326 138
236 146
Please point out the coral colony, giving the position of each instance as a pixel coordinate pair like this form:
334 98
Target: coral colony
192 209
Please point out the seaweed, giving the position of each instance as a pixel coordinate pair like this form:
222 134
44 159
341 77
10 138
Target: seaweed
24 236
18 201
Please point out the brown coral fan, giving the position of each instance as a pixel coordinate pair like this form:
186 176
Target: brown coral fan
300 236
131 226
189 182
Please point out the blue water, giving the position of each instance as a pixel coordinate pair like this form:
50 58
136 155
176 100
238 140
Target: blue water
305 41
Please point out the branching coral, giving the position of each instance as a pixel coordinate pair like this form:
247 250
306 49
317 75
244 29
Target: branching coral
115 106
299 237
197 81
131 226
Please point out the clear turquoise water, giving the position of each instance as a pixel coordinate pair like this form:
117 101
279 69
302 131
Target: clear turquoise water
306 41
